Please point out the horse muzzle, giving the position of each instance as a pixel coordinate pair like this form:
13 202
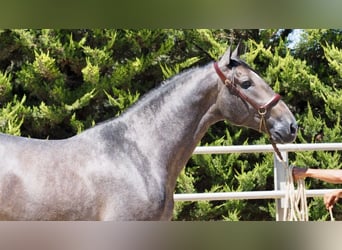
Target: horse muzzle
284 133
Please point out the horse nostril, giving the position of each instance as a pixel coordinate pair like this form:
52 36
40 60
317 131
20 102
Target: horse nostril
293 128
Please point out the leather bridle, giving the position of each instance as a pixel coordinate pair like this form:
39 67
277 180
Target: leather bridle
261 109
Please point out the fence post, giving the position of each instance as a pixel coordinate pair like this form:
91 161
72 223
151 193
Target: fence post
280 183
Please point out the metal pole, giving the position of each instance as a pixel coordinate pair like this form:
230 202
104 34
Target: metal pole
280 183
244 195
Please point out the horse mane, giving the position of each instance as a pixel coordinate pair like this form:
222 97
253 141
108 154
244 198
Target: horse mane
163 89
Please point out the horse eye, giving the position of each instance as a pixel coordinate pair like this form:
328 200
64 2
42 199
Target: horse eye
246 84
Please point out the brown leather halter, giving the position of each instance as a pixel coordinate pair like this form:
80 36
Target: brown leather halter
261 109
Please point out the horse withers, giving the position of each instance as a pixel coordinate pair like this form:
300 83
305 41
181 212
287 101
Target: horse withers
126 168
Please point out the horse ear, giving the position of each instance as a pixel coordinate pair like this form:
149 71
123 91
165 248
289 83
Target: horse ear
236 52
225 59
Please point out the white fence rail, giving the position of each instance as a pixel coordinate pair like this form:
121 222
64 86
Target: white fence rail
279 175
246 195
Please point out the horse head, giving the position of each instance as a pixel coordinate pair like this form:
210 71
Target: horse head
245 99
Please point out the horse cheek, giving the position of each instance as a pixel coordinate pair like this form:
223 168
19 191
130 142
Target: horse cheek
230 108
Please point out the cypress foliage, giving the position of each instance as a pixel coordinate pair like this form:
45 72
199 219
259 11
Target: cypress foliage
56 83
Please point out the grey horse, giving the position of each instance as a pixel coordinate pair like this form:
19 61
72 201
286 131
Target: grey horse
126 168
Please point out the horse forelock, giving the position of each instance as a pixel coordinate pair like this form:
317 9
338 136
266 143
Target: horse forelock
234 62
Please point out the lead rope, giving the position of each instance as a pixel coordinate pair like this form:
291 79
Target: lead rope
331 214
295 207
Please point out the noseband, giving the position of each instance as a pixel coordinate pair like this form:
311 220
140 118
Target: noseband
261 109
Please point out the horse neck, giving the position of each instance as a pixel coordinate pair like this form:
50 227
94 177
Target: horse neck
175 117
